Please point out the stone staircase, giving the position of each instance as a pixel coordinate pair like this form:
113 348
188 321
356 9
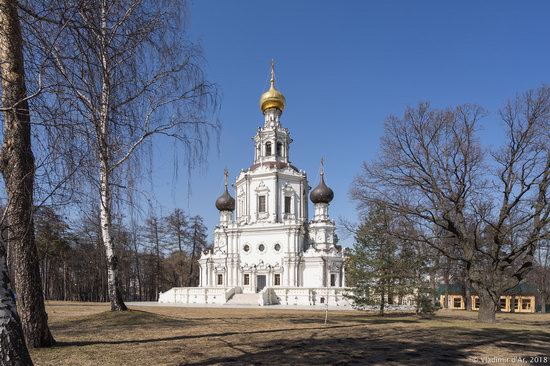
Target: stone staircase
244 299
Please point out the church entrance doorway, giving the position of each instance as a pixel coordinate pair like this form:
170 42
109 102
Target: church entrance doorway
260 282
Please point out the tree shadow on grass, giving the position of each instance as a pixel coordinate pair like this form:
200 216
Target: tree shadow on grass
344 351
412 347
129 319
340 342
198 336
364 321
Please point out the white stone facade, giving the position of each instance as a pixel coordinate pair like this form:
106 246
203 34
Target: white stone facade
265 242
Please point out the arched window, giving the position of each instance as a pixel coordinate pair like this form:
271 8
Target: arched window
279 149
268 149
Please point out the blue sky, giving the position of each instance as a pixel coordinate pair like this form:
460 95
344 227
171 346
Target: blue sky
344 66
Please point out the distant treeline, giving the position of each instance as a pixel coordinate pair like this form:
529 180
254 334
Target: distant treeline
154 255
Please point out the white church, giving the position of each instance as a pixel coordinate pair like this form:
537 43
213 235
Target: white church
266 249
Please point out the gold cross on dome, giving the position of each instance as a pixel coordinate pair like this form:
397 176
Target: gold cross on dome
272 72
225 175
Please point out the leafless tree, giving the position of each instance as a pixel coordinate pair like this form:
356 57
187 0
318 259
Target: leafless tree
434 171
154 233
17 167
177 228
540 276
13 350
197 232
124 72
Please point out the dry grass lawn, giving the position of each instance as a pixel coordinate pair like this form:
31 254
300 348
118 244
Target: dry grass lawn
88 334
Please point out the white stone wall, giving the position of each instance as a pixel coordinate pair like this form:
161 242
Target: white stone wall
310 296
313 272
197 295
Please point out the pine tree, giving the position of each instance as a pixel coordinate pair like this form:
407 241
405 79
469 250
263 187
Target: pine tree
381 266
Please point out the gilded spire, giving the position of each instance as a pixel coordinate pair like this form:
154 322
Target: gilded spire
272 98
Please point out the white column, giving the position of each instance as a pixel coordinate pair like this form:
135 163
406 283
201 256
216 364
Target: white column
300 199
207 276
299 279
295 265
237 274
229 281
273 208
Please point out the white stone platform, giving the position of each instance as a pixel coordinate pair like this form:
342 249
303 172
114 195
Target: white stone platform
279 295
239 306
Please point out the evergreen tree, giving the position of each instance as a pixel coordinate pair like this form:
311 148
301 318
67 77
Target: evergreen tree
380 265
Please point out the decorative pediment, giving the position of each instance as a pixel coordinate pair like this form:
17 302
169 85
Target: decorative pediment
288 190
261 266
219 253
219 268
311 250
262 187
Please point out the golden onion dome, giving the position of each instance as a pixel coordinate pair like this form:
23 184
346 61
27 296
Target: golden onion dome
272 98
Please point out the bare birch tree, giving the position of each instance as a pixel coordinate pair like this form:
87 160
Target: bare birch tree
124 72
434 171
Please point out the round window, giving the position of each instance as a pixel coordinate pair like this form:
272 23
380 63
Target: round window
246 248
261 247
277 247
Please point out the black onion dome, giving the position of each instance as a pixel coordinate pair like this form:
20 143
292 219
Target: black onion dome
225 202
322 193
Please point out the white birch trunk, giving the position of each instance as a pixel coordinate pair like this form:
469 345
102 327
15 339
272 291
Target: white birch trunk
115 296
117 304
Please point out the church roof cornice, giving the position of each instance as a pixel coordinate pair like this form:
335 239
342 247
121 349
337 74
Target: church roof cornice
273 165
